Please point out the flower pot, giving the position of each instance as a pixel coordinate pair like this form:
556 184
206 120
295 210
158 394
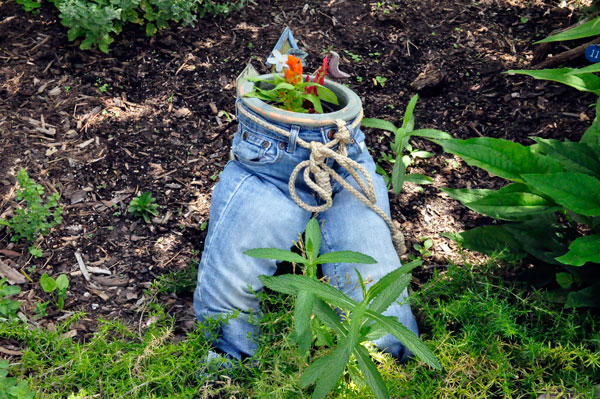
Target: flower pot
348 108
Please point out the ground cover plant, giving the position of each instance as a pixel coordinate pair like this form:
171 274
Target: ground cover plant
157 114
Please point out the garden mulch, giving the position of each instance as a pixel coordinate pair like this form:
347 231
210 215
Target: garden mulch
158 114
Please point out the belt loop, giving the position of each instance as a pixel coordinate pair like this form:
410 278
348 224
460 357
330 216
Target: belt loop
294 131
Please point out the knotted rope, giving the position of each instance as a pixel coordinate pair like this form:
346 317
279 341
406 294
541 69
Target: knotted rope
316 166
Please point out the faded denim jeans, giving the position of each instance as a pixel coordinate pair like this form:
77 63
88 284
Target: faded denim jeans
251 207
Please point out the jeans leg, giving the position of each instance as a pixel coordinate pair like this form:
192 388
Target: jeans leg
351 225
246 212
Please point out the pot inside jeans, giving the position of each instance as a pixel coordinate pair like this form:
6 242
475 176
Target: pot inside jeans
348 108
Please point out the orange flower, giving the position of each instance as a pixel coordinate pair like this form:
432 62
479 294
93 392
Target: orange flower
294 74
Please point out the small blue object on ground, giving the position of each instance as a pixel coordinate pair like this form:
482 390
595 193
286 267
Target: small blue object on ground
592 53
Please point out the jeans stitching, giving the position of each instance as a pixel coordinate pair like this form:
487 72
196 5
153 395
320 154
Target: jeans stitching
215 236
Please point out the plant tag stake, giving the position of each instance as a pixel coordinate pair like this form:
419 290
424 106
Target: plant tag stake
287 45
592 53
248 72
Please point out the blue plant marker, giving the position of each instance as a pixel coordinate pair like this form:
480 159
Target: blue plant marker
592 53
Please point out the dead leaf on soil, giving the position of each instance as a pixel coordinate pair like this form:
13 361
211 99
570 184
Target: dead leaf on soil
13 276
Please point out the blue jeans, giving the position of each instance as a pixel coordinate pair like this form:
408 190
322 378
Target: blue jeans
251 207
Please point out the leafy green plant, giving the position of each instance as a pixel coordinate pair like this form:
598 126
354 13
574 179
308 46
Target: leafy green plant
11 387
361 322
425 248
57 288
379 80
401 144
144 206
98 21
35 217
552 205
30 5
8 307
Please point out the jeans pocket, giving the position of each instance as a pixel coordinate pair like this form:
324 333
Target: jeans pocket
253 148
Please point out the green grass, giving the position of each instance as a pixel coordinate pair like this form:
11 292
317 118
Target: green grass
494 338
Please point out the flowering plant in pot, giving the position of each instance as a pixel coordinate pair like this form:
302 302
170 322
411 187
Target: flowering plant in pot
294 91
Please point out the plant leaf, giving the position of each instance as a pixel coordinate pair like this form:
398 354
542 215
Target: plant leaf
587 297
417 178
329 317
290 283
370 372
398 174
48 283
387 280
407 337
62 282
379 124
581 250
389 295
302 321
408 121
587 29
277 254
565 280
512 205
591 137
326 94
431 134
334 367
576 157
316 102
581 82
345 257
576 191
500 157
313 235
491 240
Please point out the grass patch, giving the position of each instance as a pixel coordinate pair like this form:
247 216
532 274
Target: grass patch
494 338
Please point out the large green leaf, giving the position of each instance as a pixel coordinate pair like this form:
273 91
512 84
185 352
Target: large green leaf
576 157
539 236
587 297
370 372
591 137
588 29
491 240
408 121
312 238
274 253
512 205
302 320
467 195
345 257
379 124
290 283
391 277
582 82
576 191
582 250
500 157
315 101
407 337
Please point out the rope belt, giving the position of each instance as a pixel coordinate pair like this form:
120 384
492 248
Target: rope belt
321 183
